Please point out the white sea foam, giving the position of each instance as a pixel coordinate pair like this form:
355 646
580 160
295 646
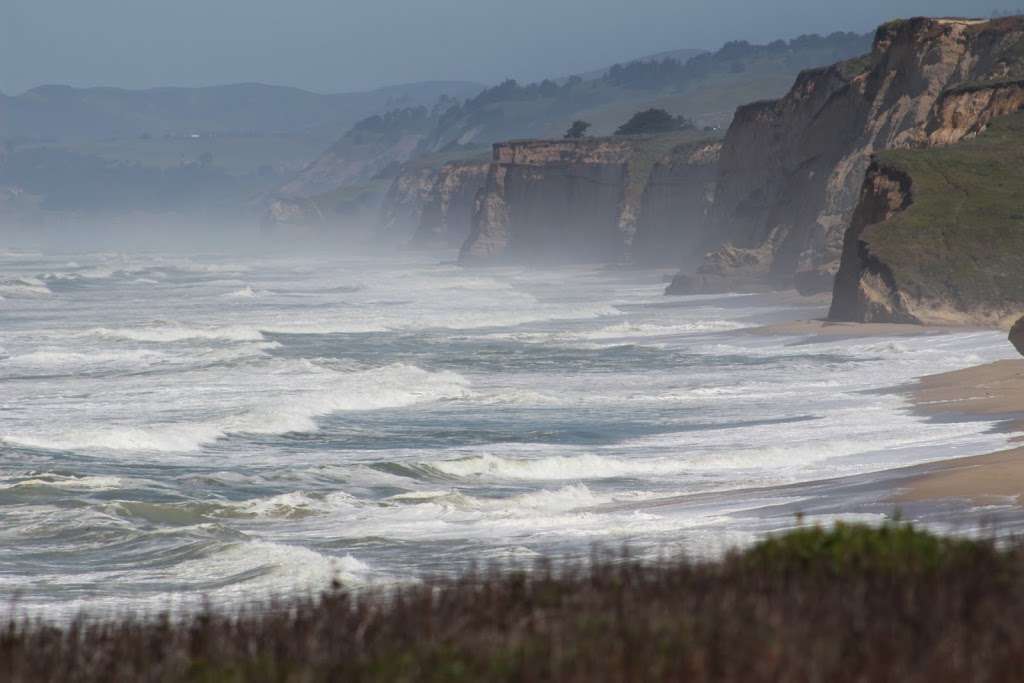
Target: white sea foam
192 404
619 332
56 359
627 329
66 482
247 292
570 467
53 358
175 332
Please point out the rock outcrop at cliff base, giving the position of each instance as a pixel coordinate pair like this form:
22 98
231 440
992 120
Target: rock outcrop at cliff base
791 170
1016 335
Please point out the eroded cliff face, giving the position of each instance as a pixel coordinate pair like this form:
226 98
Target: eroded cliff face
675 206
553 200
580 201
409 192
446 214
791 170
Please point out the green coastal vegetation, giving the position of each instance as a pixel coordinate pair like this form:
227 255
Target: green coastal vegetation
853 603
962 237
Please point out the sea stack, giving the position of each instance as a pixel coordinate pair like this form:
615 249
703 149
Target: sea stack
1017 335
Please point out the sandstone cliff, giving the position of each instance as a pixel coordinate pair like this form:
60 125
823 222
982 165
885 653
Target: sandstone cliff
938 235
570 201
675 205
791 170
446 215
409 192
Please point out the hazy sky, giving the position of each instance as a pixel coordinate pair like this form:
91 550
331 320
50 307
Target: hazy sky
339 45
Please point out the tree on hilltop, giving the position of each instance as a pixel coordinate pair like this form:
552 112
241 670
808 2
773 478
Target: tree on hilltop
652 122
577 130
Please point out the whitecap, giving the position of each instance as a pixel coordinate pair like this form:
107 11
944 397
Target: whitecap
247 292
553 468
67 482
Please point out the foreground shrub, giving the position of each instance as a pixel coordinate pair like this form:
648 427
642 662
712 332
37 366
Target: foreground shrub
851 603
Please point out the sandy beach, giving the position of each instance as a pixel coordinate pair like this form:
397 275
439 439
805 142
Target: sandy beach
992 391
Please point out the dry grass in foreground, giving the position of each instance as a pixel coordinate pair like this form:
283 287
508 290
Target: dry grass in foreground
850 604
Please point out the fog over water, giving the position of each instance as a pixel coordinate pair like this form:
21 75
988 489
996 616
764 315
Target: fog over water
176 425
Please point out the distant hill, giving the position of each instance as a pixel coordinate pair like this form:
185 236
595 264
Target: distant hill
682 56
108 150
58 113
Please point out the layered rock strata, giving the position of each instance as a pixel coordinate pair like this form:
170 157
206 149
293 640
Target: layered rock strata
446 214
675 206
566 201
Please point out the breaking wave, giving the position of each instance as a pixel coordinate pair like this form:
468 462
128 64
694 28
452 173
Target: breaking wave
391 386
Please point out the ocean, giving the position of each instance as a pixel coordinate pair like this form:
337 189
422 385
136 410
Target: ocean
176 428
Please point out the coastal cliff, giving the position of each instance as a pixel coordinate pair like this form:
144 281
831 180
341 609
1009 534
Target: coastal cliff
568 201
791 170
938 235
675 205
446 213
409 192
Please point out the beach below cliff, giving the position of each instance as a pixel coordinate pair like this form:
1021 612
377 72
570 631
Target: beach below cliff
994 391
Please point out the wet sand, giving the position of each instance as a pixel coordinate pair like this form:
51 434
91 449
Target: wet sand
994 391
825 328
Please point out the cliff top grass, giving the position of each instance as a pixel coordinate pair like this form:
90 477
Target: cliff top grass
468 154
962 238
853 603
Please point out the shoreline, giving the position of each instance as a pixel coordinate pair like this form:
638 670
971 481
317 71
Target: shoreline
839 330
994 391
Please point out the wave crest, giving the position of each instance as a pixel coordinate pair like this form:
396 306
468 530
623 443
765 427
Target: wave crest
391 386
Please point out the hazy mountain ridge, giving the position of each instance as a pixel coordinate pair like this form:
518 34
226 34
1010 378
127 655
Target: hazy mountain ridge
110 150
60 113
707 87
